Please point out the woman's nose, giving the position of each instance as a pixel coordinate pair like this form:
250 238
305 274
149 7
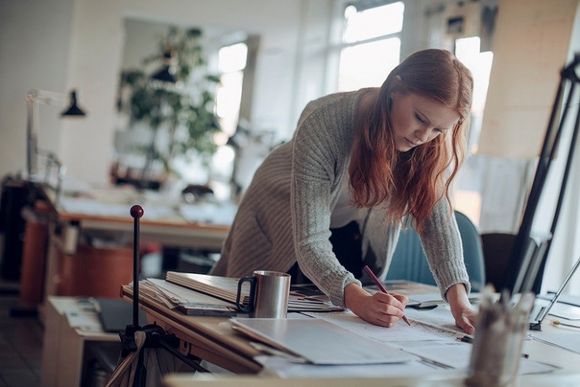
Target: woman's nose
422 135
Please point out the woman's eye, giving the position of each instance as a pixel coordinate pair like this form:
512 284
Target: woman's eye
419 118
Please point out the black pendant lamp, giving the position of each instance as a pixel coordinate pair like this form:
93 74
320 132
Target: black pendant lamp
73 109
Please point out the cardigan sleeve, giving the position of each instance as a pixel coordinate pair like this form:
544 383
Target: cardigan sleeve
442 243
314 159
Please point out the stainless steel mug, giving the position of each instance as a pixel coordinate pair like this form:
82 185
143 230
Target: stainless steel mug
269 294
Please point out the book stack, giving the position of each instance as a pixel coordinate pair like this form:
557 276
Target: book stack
181 299
303 298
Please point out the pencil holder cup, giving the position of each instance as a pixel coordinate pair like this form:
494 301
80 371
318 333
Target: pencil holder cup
269 294
497 345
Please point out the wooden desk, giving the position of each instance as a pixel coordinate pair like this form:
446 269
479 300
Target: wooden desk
171 229
67 227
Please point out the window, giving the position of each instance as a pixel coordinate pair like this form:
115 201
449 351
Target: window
231 64
479 63
467 196
371 45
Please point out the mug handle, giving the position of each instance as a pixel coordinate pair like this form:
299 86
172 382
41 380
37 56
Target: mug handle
250 307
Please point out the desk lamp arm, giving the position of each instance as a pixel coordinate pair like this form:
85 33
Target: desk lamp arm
33 98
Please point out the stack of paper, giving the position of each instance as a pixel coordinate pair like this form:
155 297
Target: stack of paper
221 287
319 341
182 299
226 288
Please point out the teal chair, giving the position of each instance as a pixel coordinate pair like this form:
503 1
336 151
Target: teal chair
410 263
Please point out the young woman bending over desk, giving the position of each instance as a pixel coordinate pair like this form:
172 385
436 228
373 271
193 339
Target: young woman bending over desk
334 198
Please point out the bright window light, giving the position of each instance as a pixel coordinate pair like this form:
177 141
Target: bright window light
368 64
479 63
231 64
371 45
373 22
232 58
229 93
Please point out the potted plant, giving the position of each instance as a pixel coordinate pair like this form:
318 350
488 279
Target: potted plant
178 99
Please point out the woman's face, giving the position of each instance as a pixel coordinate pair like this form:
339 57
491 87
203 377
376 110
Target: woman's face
417 120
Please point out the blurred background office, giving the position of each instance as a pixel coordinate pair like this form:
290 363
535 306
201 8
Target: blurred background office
184 99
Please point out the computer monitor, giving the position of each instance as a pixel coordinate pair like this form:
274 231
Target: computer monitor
529 254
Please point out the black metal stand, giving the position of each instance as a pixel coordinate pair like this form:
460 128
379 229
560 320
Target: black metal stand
529 264
155 335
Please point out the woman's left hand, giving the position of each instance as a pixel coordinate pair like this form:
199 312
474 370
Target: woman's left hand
461 308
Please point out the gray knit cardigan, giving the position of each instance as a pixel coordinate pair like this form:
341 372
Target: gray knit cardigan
284 216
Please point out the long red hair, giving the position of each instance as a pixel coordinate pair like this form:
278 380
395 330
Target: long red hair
413 181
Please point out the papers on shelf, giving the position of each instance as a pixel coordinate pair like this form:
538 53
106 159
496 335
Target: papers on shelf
226 288
319 341
185 300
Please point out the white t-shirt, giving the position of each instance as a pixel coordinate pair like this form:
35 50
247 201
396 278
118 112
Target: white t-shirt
345 211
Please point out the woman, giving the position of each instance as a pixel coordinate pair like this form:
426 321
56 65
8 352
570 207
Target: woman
363 160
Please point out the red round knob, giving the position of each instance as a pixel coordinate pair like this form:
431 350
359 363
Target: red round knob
137 211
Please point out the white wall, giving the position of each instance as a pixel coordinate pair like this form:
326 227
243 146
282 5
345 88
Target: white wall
531 45
34 44
311 60
144 37
94 60
80 44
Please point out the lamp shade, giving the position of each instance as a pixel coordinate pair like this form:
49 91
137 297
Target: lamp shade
73 109
165 74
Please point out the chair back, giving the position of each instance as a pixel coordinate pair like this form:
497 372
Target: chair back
497 251
410 263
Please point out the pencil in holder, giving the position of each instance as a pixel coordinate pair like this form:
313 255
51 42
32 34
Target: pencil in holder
498 340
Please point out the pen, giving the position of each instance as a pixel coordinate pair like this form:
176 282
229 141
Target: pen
466 339
382 288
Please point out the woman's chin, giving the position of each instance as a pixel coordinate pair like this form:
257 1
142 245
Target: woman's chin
403 148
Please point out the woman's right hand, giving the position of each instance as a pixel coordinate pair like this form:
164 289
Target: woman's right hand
378 309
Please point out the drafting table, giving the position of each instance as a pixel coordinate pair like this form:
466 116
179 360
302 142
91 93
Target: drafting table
543 380
212 339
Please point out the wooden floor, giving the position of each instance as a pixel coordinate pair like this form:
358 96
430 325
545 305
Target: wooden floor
20 344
